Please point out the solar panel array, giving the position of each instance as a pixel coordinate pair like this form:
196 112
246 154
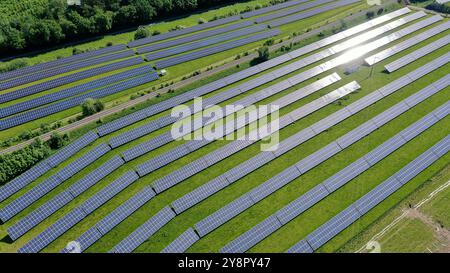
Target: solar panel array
321 191
75 101
146 230
79 213
33 89
32 174
175 33
407 59
63 69
50 207
271 8
310 13
407 44
72 91
202 163
183 242
62 61
167 104
218 48
203 43
292 10
330 229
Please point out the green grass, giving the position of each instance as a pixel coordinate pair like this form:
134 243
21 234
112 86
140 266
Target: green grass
302 225
176 72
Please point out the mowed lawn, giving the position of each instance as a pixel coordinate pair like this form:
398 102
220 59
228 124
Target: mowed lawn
369 78
175 73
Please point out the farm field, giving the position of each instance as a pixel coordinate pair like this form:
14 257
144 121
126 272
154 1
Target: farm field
134 143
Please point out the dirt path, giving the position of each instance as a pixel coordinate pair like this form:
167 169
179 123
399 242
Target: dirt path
177 85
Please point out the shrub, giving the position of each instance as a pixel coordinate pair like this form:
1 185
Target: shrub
91 106
141 32
263 53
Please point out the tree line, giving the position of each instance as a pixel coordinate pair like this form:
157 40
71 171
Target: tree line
58 22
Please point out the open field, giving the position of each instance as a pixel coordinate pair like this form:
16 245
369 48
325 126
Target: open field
369 78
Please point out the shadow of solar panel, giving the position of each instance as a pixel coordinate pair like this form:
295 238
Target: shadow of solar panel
182 243
301 204
309 13
63 69
300 247
96 175
33 89
318 157
23 180
179 175
184 31
75 101
29 197
194 37
126 209
254 235
199 194
217 48
375 196
416 166
72 91
223 215
72 148
292 10
109 192
38 215
141 234
331 228
390 114
202 43
273 184
58 62
53 232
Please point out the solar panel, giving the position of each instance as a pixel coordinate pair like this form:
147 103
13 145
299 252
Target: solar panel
301 247
271 8
356 134
223 215
201 193
96 175
364 102
416 166
217 48
248 166
184 31
59 62
147 146
390 114
34 218
294 140
63 69
72 91
419 127
442 147
161 160
318 157
257 233
144 232
75 101
53 232
202 43
289 11
345 175
85 240
182 243
109 192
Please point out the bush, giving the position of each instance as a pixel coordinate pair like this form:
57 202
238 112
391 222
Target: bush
13 65
91 106
56 141
263 54
201 21
141 32
370 14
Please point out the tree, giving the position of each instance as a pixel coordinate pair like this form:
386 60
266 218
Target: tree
141 32
91 106
144 11
55 141
263 53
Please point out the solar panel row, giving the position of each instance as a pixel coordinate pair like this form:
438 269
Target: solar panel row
215 49
194 37
29 176
75 101
62 61
220 154
167 104
175 33
271 8
292 10
407 59
319 192
79 213
187 239
310 13
33 89
359 208
56 203
203 43
376 58
72 91
63 69
146 230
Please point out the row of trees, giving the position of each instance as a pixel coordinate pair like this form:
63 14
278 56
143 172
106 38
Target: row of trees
57 22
